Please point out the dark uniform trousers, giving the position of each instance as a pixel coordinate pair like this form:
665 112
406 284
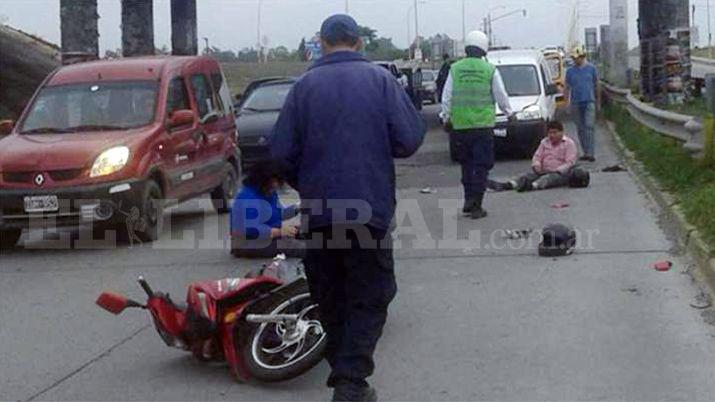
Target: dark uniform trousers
475 152
353 281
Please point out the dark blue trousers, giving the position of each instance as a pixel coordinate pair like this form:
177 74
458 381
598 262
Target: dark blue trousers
353 282
475 152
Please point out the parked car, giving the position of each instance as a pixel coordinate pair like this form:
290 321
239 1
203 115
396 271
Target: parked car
429 86
257 114
409 76
107 143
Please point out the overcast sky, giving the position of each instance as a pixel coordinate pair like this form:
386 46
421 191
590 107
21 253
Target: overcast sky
232 24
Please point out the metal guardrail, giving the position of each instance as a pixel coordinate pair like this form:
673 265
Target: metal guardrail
687 129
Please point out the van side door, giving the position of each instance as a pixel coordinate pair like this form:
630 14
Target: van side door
182 155
211 120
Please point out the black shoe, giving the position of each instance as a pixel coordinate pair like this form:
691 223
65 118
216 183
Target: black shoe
499 187
477 212
468 206
591 159
585 158
348 392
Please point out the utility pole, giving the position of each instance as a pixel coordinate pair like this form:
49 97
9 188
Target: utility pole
418 44
710 33
464 22
206 40
347 6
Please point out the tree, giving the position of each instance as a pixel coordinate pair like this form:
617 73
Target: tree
280 53
368 35
301 50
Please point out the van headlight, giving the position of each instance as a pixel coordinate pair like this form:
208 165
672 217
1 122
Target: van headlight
110 161
532 112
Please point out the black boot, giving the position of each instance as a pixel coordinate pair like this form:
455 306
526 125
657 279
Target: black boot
477 211
349 392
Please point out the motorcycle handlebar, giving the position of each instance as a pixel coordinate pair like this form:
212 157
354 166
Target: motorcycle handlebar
143 283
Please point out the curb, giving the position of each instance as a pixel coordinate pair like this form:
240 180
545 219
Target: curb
688 236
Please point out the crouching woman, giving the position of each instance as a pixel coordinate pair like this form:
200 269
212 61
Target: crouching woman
258 219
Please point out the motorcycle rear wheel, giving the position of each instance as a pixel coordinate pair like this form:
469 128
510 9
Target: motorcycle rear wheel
270 351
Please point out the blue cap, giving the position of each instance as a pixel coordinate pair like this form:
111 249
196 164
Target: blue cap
339 27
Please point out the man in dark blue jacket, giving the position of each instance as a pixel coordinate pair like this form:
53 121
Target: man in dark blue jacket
340 128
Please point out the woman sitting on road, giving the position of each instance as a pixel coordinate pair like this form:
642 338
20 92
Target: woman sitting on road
257 217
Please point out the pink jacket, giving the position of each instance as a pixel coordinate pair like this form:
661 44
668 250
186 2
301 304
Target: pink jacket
550 158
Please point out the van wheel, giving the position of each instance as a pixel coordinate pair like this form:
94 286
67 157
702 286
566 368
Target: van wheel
143 223
9 238
222 196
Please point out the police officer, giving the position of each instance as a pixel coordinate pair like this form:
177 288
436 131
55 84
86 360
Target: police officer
468 110
340 128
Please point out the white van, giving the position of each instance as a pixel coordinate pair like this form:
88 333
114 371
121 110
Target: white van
532 94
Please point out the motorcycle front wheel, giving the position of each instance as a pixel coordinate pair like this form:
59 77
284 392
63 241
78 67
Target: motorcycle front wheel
277 352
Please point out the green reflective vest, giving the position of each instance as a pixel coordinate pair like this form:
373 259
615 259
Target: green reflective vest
472 99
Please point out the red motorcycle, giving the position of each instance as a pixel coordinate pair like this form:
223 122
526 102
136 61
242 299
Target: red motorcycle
264 325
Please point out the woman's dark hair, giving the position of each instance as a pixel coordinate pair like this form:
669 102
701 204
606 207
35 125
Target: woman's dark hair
260 175
555 125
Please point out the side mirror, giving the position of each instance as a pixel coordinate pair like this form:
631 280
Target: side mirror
6 127
115 303
181 118
552 89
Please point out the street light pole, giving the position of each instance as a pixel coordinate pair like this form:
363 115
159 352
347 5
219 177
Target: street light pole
490 20
347 6
259 51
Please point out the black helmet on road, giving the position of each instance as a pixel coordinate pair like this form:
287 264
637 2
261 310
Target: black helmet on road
580 178
557 241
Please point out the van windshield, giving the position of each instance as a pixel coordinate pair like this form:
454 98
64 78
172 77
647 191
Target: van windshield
520 80
102 106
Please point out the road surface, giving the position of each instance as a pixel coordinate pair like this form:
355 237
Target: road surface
473 320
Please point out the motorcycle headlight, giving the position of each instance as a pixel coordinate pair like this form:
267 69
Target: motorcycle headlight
110 161
532 112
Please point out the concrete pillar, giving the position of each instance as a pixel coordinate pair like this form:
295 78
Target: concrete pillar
184 39
137 28
78 24
618 51
664 31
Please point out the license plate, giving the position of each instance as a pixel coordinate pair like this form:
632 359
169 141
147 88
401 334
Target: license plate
42 203
500 132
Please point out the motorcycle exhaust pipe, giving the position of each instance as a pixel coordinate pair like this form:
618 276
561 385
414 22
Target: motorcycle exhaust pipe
272 318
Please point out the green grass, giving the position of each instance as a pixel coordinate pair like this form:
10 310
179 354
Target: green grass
239 75
695 107
691 181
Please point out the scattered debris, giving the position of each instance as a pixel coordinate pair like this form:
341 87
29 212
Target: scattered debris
427 190
560 205
518 233
663 266
701 302
614 168
633 290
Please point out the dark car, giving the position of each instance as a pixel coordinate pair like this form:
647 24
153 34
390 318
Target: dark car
257 114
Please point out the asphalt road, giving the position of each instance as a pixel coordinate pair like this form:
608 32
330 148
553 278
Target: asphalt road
476 318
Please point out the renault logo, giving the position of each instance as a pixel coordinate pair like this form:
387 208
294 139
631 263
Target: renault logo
39 179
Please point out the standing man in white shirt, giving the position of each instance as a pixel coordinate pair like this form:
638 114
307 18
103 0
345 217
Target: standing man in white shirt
472 89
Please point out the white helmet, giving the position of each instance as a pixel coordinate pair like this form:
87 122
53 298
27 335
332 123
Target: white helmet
478 39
